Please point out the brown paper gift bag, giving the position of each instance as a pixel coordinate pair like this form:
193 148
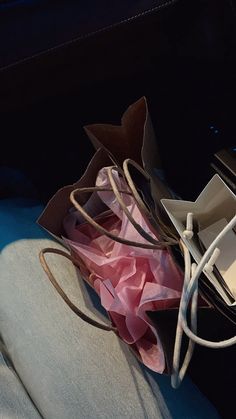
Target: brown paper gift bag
52 219
120 141
135 139
59 205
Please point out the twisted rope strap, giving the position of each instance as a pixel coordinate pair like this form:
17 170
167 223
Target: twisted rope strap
190 291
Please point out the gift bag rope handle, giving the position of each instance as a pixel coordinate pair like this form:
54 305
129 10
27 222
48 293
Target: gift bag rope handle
171 239
190 288
177 372
60 291
141 231
97 226
188 291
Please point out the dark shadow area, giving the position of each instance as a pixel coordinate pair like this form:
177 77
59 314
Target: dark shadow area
52 149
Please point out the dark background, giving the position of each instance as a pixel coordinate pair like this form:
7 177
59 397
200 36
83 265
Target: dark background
182 57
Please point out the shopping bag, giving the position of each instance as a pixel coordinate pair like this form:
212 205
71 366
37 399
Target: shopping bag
122 257
52 217
210 213
207 229
119 256
135 139
148 233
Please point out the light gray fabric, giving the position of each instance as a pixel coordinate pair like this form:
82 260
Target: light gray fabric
71 369
14 401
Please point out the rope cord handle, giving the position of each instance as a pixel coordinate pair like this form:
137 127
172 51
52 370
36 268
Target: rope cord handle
60 291
101 229
131 184
159 226
141 231
177 372
190 290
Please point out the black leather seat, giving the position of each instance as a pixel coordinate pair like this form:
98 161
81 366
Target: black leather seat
32 26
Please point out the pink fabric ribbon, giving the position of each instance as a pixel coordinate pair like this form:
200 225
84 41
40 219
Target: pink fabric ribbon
129 280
